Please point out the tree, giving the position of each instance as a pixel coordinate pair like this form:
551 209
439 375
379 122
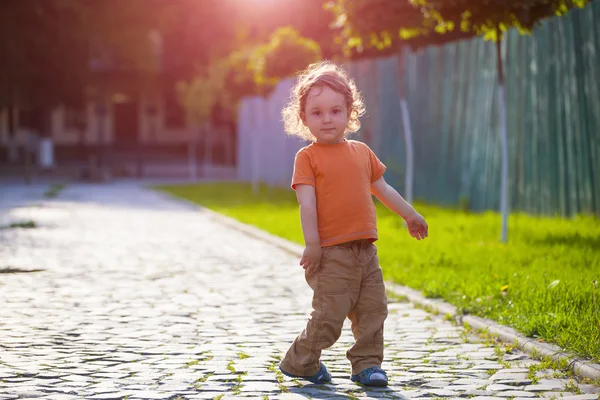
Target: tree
490 19
377 27
200 97
222 83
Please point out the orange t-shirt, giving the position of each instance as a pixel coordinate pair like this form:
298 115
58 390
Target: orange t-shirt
342 175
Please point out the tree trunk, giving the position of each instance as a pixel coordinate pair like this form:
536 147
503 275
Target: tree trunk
255 162
504 139
408 142
257 114
13 128
99 161
209 130
192 164
27 164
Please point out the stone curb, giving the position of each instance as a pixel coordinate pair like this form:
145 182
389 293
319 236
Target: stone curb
579 366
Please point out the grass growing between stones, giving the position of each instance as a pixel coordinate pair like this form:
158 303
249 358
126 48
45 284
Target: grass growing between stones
11 270
237 388
540 283
548 368
54 190
231 367
278 374
21 224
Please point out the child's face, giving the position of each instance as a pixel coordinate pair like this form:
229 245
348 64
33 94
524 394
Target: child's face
326 114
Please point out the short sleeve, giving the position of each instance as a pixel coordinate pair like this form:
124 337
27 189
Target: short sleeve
303 171
377 167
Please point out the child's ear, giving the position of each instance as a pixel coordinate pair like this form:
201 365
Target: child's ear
303 117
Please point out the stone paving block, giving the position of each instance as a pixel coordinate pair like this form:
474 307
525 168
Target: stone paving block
61 397
205 395
463 388
514 382
287 396
149 395
588 389
554 395
471 381
215 387
515 393
117 395
545 387
436 384
476 393
16 380
499 387
440 392
31 394
260 387
77 378
484 398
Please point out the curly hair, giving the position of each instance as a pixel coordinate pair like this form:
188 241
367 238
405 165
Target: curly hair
321 74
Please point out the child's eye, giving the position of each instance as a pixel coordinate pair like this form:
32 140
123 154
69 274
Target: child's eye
317 113
336 111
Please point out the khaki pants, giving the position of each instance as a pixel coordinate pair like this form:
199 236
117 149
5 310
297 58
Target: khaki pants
348 283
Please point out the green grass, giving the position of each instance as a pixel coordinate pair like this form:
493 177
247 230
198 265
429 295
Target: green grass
540 283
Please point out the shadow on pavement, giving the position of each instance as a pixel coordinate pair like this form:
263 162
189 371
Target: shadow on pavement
346 391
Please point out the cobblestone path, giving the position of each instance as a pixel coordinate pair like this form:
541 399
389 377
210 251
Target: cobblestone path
139 297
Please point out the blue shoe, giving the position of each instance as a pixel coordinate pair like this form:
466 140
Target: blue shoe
371 376
322 376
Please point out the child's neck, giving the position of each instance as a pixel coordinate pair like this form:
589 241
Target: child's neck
342 140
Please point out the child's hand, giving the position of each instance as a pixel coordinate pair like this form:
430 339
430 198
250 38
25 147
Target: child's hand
311 258
417 227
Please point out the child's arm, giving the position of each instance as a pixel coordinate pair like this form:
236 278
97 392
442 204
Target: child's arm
311 258
417 227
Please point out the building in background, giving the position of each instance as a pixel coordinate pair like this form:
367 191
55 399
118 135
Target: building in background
129 118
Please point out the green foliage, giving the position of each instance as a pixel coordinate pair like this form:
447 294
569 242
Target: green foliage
376 23
240 77
492 17
247 71
224 81
201 94
286 53
387 25
540 283
370 28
